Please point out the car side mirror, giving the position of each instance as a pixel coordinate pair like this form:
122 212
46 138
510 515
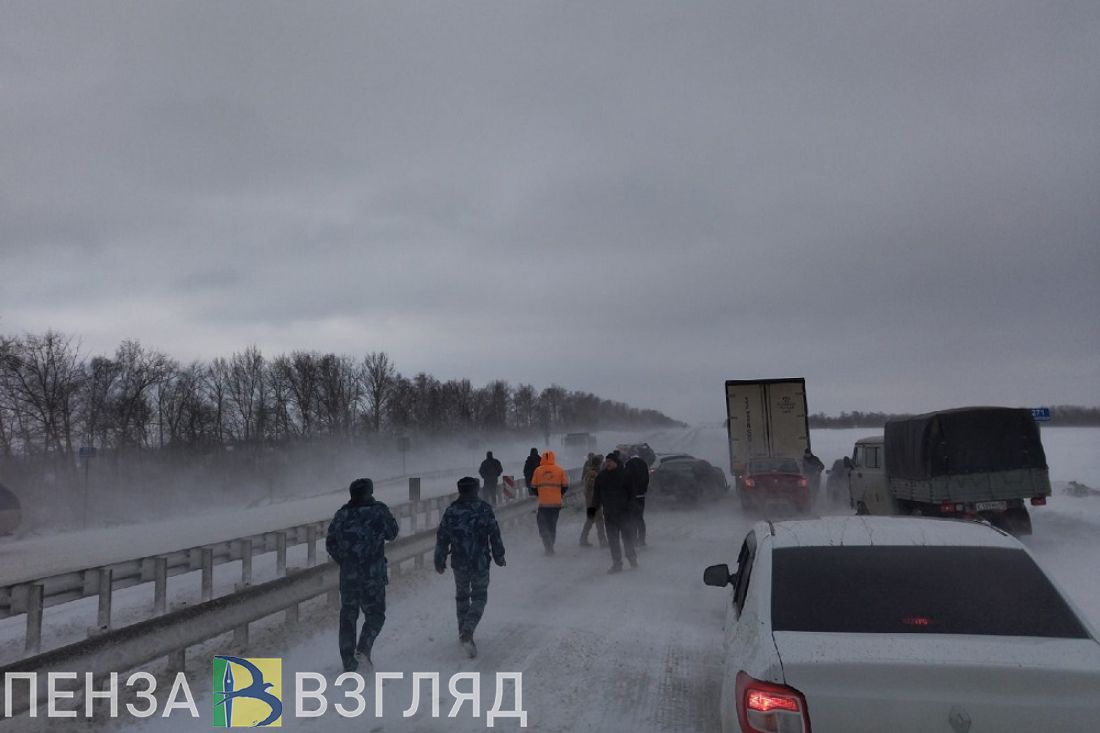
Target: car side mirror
847 462
718 576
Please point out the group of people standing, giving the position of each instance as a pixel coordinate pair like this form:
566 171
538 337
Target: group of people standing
614 492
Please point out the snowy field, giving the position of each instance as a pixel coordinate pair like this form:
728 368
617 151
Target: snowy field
639 651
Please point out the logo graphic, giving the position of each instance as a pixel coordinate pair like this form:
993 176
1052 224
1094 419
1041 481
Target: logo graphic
248 693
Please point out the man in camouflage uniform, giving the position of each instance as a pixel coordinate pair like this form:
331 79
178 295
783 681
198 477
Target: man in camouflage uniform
356 540
468 532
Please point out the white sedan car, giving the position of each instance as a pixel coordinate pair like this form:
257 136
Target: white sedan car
900 624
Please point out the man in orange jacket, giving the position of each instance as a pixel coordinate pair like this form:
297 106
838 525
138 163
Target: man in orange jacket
549 483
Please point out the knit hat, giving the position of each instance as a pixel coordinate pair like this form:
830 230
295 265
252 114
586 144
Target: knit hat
361 487
468 485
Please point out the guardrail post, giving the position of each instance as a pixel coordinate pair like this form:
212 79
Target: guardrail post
177 661
34 619
246 562
414 503
160 584
311 546
291 616
106 578
418 561
207 573
280 553
240 635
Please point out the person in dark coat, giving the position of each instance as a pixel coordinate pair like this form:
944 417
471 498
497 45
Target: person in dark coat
469 533
637 473
529 466
490 471
356 541
594 516
613 495
812 467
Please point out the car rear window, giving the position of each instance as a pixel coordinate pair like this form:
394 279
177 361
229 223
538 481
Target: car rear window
917 590
764 465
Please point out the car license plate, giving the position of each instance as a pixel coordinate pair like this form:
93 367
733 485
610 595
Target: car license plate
991 506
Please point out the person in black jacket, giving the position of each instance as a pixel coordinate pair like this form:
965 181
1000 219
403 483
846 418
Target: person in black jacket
490 471
637 472
529 466
812 467
613 495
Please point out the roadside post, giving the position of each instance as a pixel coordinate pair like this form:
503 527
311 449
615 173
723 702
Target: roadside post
403 445
87 453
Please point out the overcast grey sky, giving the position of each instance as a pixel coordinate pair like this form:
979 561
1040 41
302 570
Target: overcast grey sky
899 201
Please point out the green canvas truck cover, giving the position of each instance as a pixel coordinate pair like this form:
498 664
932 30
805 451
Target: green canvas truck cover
963 441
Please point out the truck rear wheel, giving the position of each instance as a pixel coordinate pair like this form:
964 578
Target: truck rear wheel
1016 521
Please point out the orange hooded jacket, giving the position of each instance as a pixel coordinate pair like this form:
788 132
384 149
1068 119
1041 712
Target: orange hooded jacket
549 481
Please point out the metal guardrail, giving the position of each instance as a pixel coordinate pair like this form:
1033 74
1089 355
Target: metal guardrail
85 582
32 597
170 635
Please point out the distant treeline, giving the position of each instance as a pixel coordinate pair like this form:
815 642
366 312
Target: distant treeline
1060 415
53 400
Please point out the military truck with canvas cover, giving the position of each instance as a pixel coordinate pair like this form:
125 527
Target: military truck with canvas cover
974 461
766 418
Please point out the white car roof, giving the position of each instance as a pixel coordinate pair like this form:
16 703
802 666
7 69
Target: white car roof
867 531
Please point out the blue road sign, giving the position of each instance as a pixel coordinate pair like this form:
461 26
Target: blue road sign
1041 414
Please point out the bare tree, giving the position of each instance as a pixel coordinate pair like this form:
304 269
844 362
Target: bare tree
100 375
524 403
303 377
341 390
401 405
247 392
138 371
216 382
379 375
41 377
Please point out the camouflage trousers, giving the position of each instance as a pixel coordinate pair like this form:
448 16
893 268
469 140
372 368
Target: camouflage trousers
370 598
471 594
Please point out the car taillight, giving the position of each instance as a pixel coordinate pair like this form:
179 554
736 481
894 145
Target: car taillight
948 507
803 483
749 483
1038 501
765 707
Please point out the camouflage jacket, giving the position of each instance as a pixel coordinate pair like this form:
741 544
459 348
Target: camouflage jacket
357 536
467 532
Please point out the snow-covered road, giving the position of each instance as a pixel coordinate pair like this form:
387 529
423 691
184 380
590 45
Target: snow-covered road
636 651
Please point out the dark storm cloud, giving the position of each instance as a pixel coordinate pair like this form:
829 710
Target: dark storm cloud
901 202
